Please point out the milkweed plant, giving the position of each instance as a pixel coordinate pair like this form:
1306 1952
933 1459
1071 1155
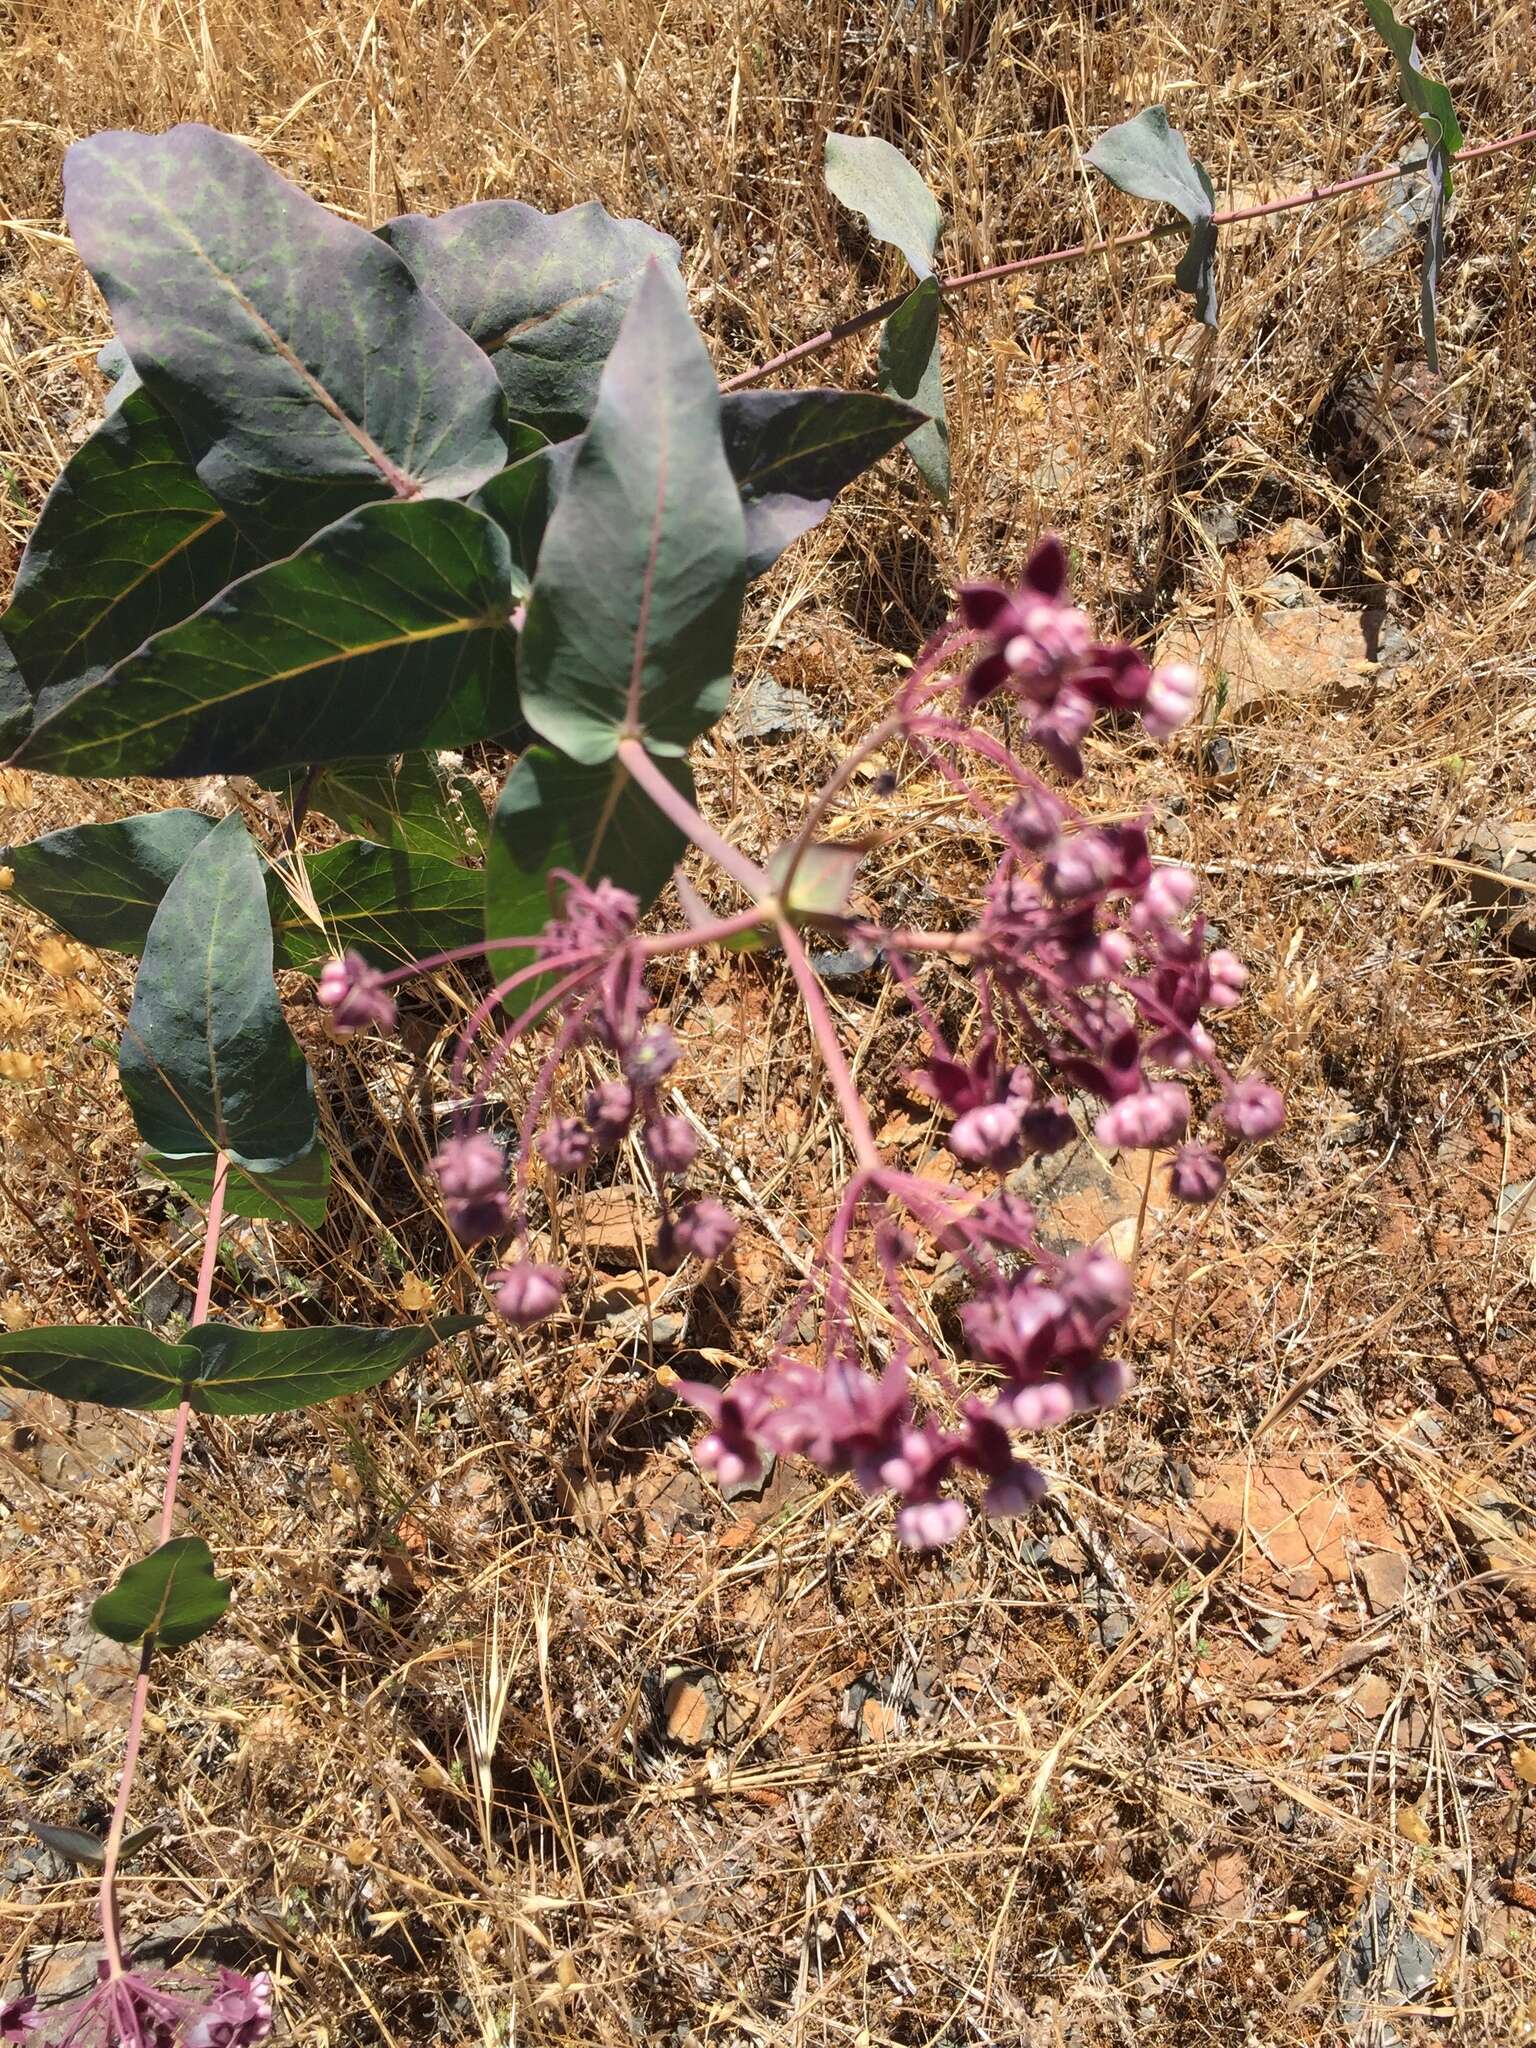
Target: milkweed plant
364 500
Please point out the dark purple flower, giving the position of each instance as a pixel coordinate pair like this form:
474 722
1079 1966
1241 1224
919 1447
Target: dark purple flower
1196 1174
472 1175
355 995
1035 819
566 1143
18 2016
594 916
1251 1108
1059 728
703 1229
670 1144
1096 1289
240 2012
526 1293
1048 1125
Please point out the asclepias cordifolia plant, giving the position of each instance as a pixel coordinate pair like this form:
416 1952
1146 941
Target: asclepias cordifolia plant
363 501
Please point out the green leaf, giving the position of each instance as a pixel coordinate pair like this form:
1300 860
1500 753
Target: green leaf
296 351
909 370
791 452
15 698
388 631
543 294
593 821
115 364
90 1851
115 1368
128 542
872 177
521 499
103 883
295 1192
631 627
386 904
220 1370
1431 102
408 802
1425 96
264 1372
1150 160
822 881
207 1063
168 1598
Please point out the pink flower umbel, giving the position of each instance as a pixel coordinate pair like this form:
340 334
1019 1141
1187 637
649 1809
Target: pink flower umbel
133 2011
355 995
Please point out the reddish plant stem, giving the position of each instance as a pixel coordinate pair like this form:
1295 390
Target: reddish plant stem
110 1934
672 804
1076 251
824 1031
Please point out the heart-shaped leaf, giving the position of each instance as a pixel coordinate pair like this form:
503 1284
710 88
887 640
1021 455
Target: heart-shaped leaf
543 294
791 452
168 1598
1150 160
909 370
631 628
103 883
872 177
207 1063
295 1192
218 1369
297 353
387 631
593 821
388 905
411 802
128 542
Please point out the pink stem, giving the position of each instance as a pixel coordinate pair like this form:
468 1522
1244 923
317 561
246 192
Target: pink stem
110 1936
824 1030
672 804
1077 250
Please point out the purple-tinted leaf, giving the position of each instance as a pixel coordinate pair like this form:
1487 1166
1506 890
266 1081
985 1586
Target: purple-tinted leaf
791 452
543 294
305 366
1150 160
631 627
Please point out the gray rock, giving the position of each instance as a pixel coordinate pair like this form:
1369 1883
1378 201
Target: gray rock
766 710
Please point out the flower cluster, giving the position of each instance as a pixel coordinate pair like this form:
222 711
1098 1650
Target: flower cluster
129 2010
1041 648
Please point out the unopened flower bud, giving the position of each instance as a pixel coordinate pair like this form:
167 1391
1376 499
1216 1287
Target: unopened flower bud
471 1173
652 1057
1167 896
1080 866
1034 819
703 1228
1196 1174
355 995
670 1144
238 2014
1172 694
1228 979
1251 1108
1154 1115
930 1524
609 1108
526 1293
988 1136
566 1143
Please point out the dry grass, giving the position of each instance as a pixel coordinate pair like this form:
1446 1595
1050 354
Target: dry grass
423 1767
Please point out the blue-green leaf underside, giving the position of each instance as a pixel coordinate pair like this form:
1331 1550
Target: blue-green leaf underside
872 177
168 1598
207 1062
1150 160
305 366
102 884
386 632
295 1192
1431 102
631 628
910 370
542 294
220 1370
